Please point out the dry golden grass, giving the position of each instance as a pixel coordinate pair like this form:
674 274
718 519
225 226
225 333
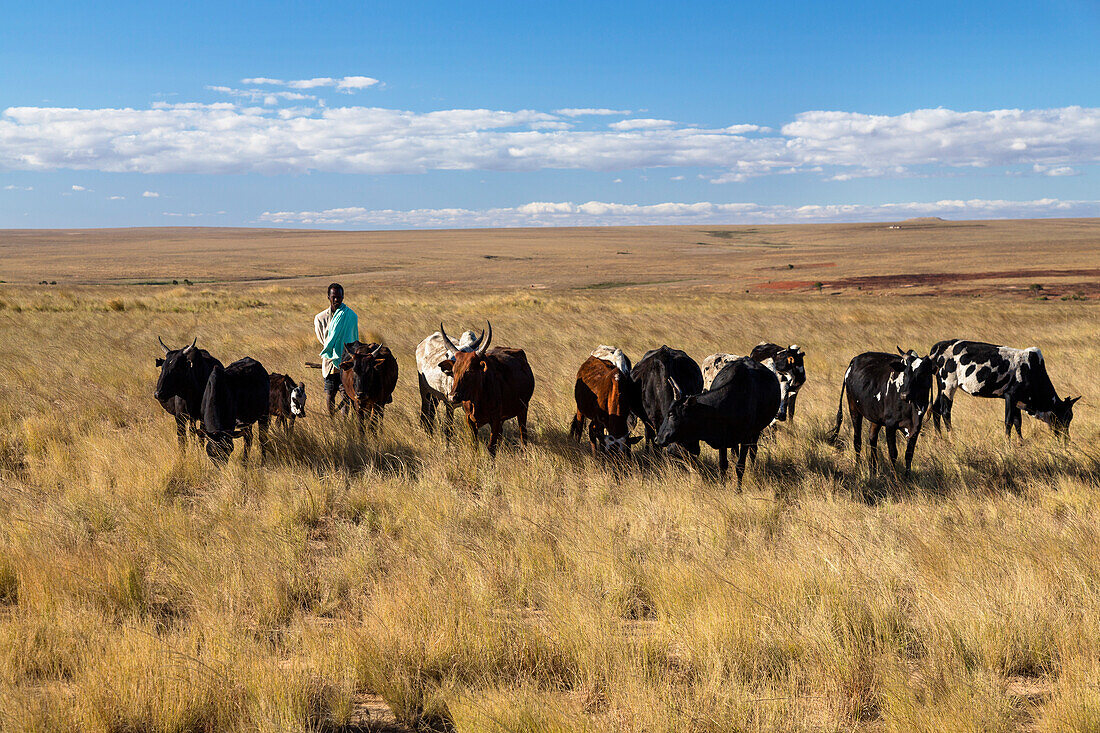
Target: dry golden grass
144 590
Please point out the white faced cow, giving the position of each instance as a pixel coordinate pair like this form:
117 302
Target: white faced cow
1019 376
435 385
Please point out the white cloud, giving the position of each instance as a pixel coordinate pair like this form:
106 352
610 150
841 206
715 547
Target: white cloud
116 198
346 84
590 111
642 124
13 187
79 188
598 213
150 195
231 138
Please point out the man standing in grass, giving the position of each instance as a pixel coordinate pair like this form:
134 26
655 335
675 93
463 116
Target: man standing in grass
335 326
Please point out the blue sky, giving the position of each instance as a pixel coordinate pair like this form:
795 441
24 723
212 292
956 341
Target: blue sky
353 115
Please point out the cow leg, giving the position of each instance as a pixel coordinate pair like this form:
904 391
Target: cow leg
792 399
495 429
753 447
723 463
376 414
595 432
1010 414
263 430
892 445
1017 421
448 421
181 431
742 451
427 405
577 426
872 443
942 408
521 421
650 435
290 426
857 430
473 429
910 446
246 433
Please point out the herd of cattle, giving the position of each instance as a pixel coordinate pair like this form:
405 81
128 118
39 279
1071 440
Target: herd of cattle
727 403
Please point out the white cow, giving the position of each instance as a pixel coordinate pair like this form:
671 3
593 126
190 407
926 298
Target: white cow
435 386
614 355
714 364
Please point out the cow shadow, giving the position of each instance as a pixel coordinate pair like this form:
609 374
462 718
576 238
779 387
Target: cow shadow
336 445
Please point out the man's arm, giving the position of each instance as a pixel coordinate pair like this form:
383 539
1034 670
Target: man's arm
319 327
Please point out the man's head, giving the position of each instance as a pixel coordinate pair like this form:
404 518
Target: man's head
335 296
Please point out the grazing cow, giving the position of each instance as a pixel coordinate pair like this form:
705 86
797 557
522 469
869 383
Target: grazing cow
235 397
892 392
1019 376
435 386
614 355
288 401
492 385
182 379
608 397
742 401
368 374
659 374
789 365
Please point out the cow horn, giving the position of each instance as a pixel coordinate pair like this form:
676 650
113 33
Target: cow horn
488 334
450 344
163 345
900 351
192 344
676 393
376 349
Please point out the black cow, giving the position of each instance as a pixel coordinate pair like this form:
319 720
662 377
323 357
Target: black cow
1019 376
789 365
235 397
368 375
741 402
182 380
892 392
659 374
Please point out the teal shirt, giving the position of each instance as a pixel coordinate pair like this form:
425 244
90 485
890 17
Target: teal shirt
342 329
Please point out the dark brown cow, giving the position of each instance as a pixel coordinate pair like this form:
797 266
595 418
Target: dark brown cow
368 374
288 401
492 385
607 397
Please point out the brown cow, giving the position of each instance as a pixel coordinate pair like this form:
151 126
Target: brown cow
288 401
492 385
368 374
607 396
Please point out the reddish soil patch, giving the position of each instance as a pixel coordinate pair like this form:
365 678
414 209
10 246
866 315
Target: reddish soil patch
786 285
904 280
802 266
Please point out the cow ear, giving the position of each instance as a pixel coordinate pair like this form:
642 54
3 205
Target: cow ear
160 362
447 367
346 365
898 366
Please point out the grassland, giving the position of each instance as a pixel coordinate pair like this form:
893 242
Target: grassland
405 582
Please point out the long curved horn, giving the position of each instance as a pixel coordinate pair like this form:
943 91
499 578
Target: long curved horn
676 393
900 351
163 345
192 344
477 342
374 352
450 344
488 334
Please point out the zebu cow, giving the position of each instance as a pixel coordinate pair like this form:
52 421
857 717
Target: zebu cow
492 385
368 375
287 401
607 396
235 398
180 385
714 364
790 366
659 374
892 392
1019 376
435 386
742 401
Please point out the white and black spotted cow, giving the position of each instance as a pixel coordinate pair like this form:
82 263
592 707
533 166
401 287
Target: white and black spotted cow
891 392
1018 376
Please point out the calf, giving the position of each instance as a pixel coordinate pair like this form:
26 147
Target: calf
1019 376
492 385
891 392
435 386
180 386
288 401
609 398
368 375
789 365
741 402
235 398
660 374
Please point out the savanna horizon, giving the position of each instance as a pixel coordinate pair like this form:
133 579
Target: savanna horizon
399 580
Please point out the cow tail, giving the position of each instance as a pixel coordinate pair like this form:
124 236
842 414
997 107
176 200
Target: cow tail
834 436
